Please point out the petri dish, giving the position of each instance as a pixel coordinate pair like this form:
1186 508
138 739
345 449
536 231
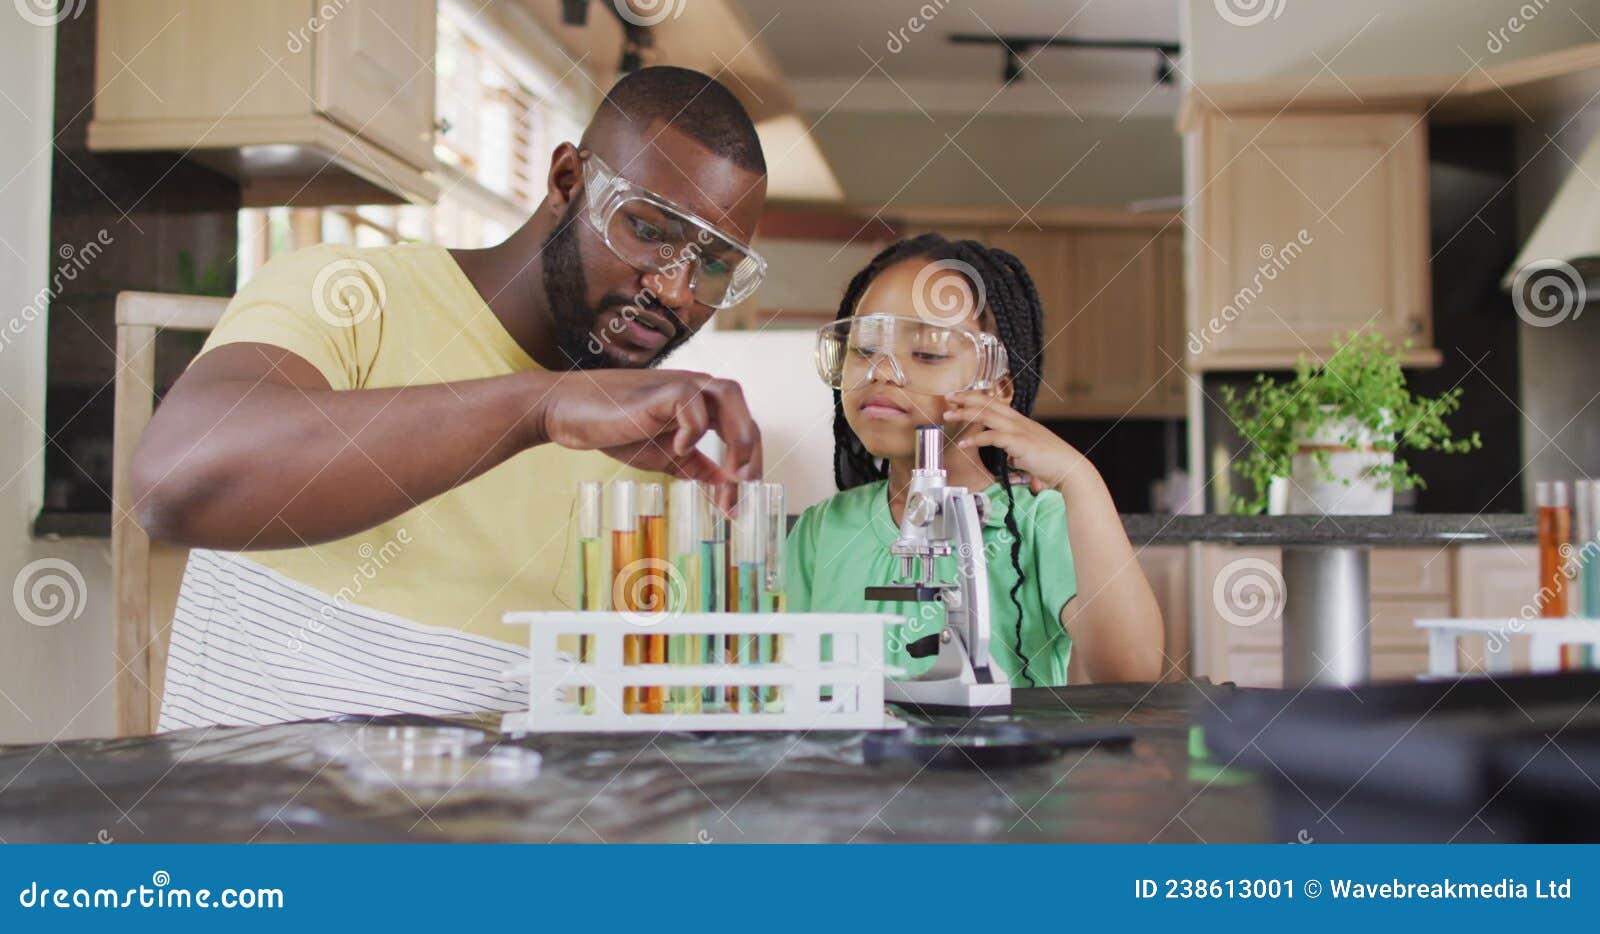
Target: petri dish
471 770
354 746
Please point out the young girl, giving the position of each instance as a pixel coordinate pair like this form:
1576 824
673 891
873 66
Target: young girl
915 343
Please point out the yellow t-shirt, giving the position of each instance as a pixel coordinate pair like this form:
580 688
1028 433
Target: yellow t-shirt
406 315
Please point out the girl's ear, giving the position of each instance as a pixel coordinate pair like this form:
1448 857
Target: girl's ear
1005 389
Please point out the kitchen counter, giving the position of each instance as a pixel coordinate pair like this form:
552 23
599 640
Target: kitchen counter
1396 530
1323 581
271 784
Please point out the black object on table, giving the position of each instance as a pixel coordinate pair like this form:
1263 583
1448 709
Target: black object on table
271 784
1513 759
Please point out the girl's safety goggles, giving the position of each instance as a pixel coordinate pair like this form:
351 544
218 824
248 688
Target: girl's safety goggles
919 357
652 235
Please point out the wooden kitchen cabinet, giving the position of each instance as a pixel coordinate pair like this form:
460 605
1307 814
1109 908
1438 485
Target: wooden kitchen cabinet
304 103
1244 645
1307 226
1496 581
1167 569
1113 319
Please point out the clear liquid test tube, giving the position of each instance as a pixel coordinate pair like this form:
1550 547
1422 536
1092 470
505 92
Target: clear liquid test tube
591 572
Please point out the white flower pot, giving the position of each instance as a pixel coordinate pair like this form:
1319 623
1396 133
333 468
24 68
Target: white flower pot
1353 490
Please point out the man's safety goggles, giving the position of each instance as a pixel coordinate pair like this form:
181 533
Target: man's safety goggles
919 357
652 235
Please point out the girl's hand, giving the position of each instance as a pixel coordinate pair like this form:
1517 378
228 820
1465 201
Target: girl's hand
1032 448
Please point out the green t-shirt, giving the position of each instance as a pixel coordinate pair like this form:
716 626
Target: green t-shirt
841 545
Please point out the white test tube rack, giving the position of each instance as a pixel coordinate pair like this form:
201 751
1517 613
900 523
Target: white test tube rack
853 677
1546 635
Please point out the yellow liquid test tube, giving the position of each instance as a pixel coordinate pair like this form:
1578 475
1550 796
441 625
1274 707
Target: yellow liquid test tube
653 526
684 593
624 565
749 545
775 539
713 587
591 574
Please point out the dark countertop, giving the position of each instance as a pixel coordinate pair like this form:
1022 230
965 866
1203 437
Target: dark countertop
269 783
1398 529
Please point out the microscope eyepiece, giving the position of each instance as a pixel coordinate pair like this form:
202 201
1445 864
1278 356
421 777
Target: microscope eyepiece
930 448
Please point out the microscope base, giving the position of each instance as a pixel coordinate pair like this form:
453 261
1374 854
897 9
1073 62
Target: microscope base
950 696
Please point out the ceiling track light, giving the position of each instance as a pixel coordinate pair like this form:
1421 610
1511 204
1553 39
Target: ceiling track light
635 40
1016 48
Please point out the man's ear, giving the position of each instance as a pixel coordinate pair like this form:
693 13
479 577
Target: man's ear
566 177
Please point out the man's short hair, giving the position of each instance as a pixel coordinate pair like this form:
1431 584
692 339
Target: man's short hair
693 103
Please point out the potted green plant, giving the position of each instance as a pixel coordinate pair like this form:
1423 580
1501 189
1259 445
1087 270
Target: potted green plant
1334 430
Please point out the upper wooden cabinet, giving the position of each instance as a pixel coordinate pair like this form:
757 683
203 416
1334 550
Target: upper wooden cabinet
1308 226
304 103
1113 319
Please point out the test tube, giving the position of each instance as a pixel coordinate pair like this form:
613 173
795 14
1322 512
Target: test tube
625 549
591 574
749 544
685 594
1555 530
713 588
776 524
1586 528
653 583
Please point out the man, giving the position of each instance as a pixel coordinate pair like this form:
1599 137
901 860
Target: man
376 453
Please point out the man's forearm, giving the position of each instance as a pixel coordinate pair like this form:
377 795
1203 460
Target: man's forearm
257 464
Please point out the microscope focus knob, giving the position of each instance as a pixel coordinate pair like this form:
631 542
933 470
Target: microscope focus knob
921 509
981 502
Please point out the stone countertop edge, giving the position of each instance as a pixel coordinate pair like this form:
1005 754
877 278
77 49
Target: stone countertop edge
1393 530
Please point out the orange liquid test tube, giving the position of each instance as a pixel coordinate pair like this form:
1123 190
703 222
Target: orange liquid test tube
625 564
1555 530
653 527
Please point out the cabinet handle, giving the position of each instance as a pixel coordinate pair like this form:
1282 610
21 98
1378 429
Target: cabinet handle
443 126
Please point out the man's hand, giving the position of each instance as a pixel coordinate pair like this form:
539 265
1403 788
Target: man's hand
652 419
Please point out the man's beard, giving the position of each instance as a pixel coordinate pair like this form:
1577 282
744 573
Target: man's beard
565 286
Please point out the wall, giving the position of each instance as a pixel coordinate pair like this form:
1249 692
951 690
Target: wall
787 398
1375 37
905 159
55 681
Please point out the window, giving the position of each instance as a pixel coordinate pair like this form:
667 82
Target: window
502 112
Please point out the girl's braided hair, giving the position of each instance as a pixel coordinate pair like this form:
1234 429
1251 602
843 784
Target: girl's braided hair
1013 305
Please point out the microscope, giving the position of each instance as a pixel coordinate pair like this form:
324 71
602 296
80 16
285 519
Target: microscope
942 520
